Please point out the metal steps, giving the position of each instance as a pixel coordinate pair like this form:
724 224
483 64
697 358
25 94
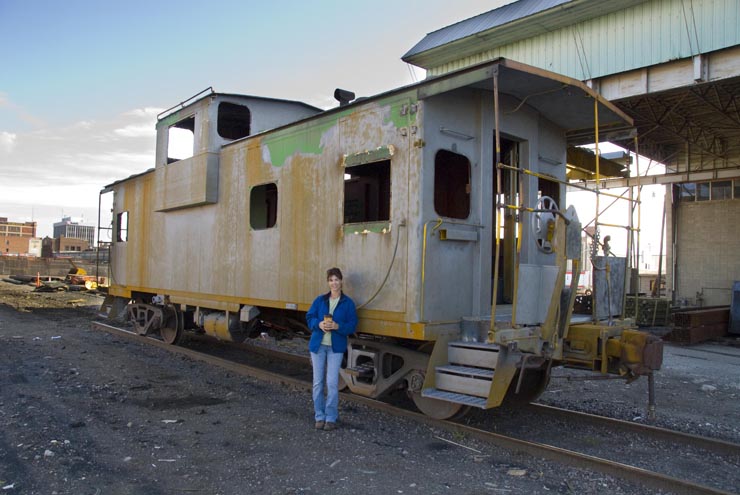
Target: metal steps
468 400
474 345
466 371
107 306
113 307
468 375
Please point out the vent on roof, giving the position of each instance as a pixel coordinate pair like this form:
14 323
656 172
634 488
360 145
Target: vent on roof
343 96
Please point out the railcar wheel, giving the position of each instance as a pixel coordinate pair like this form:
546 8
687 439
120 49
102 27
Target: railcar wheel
438 409
172 329
533 384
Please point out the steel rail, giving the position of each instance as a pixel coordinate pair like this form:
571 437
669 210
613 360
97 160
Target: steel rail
256 348
706 443
238 368
563 456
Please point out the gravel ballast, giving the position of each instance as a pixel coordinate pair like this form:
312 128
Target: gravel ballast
82 411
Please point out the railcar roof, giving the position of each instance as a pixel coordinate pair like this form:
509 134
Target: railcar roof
209 93
108 188
565 101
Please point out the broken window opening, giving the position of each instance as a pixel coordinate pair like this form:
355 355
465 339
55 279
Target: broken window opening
233 120
263 206
122 227
546 187
451 185
367 192
181 140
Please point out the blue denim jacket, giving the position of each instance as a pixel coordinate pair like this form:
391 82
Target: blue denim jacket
345 315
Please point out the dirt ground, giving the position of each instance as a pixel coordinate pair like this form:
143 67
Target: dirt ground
83 412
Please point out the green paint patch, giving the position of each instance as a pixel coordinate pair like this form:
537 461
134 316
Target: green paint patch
306 139
403 112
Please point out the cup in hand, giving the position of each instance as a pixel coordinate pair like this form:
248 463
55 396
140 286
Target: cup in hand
328 322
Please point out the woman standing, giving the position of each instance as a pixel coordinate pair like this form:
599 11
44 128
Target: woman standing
332 318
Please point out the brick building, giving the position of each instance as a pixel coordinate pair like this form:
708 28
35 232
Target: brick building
65 245
15 236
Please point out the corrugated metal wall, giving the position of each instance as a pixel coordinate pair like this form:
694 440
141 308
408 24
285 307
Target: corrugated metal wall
647 34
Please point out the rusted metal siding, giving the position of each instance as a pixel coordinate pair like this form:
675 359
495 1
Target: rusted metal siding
647 34
209 255
211 252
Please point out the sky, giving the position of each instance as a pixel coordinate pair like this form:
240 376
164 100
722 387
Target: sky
82 81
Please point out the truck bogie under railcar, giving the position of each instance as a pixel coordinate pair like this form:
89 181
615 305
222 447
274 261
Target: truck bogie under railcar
406 192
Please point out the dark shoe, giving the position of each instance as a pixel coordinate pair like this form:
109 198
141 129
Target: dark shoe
319 425
330 426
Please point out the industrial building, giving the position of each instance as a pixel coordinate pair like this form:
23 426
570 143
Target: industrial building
74 228
69 245
671 65
15 237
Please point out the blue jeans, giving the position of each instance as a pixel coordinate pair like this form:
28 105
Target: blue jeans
326 366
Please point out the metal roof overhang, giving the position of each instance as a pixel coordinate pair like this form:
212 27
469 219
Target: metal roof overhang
694 128
566 102
512 22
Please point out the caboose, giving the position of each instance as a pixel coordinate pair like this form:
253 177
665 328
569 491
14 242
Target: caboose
441 201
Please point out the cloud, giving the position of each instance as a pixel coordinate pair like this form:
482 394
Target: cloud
145 113
7 141
136 130
69 165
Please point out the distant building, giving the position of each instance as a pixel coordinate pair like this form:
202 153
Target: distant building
73 228
47 247
15 236
69 245
34 247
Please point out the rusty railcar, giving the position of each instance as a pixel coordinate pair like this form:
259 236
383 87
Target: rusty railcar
405 191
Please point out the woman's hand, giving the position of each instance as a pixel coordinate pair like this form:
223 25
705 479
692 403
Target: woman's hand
328 326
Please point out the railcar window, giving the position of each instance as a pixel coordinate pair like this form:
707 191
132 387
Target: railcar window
546 187
451 184
122 227
263 206
367 192
181 140
233 120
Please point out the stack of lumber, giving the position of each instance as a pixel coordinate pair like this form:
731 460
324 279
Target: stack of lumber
651 311
698 325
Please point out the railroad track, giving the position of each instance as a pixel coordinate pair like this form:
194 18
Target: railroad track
624 471
705 443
